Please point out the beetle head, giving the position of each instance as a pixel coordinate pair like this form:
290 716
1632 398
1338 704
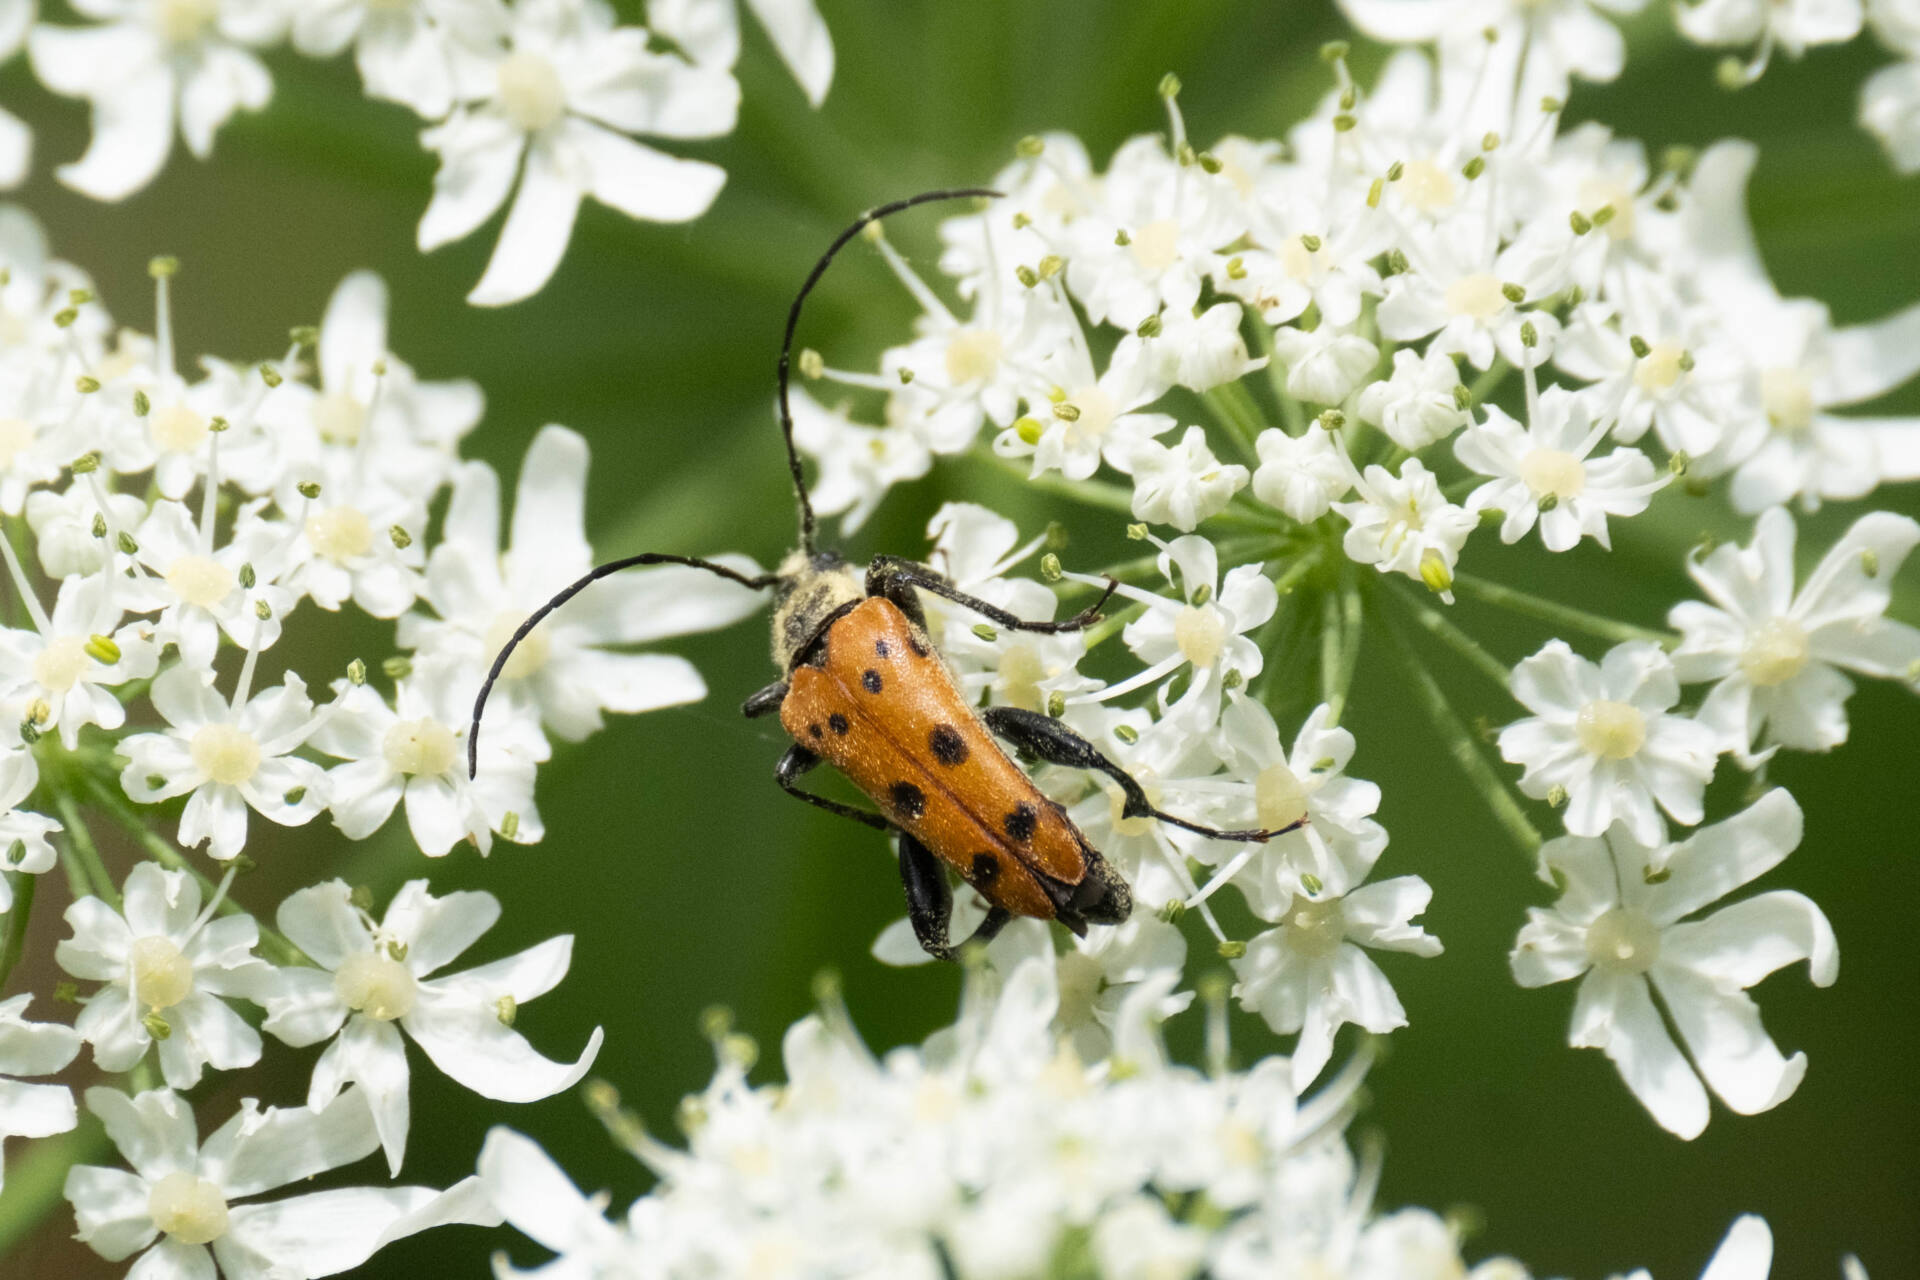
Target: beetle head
810 587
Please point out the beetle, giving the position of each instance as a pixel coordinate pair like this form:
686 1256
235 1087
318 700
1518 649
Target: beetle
862 687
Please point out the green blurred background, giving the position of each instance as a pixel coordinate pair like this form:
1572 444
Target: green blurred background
685 876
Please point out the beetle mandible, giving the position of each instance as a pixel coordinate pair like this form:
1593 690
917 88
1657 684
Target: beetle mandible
862 687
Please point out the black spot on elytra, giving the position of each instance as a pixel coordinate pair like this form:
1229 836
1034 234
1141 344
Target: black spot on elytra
986 868
1020 822
870 680
948 747
909 801
837 723
814 729
882 648
918 646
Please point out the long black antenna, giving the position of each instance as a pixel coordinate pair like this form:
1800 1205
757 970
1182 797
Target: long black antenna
580 584
793 321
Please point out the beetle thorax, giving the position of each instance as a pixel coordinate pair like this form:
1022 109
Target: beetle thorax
810 589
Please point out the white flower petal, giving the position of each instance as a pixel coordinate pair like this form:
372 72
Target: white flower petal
1615 1013
535 234
479 1051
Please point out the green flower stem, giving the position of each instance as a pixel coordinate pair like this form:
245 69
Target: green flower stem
1232 552
1465 751
1332 641
1234 406
1110 625
1100 493
37 1178
163 852
1307 562
1347 608
1293 418
1564 615
1090 493
1490 381
84 848
1442 628
13 925
79 885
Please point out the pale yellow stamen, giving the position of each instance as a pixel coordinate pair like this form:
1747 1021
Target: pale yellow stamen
225 753
59 666
189 1209
530 91
200 580
1777 651
1611 730
375 984
1623 941
161 977
419 747
339 533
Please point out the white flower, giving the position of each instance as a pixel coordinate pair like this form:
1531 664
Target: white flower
1205 629
170 969
24 846
1404 524
1793 25
1460 288
374 979
1309 973
416 751
1156 233
1618 926
1604 736
565 89
181 1191
1093 417
1568 35
1301 475
1202 352
16 139
974 547
561 674
858 464
84 652
407 53
201 589
1183 485
1324 366
1777 656
1417 405
1309 781
1545 472
532 1193
1890 111
231 758
146 61
33 1049
1798 365
709 31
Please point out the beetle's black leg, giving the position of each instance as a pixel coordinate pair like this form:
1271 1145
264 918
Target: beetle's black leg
797 761
766 701
929 899
895 578
930 902
1049 740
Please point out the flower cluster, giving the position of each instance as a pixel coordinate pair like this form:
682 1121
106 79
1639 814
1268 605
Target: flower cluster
540 100
1428 314
995 1151
173 526
1574 39
1310 370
